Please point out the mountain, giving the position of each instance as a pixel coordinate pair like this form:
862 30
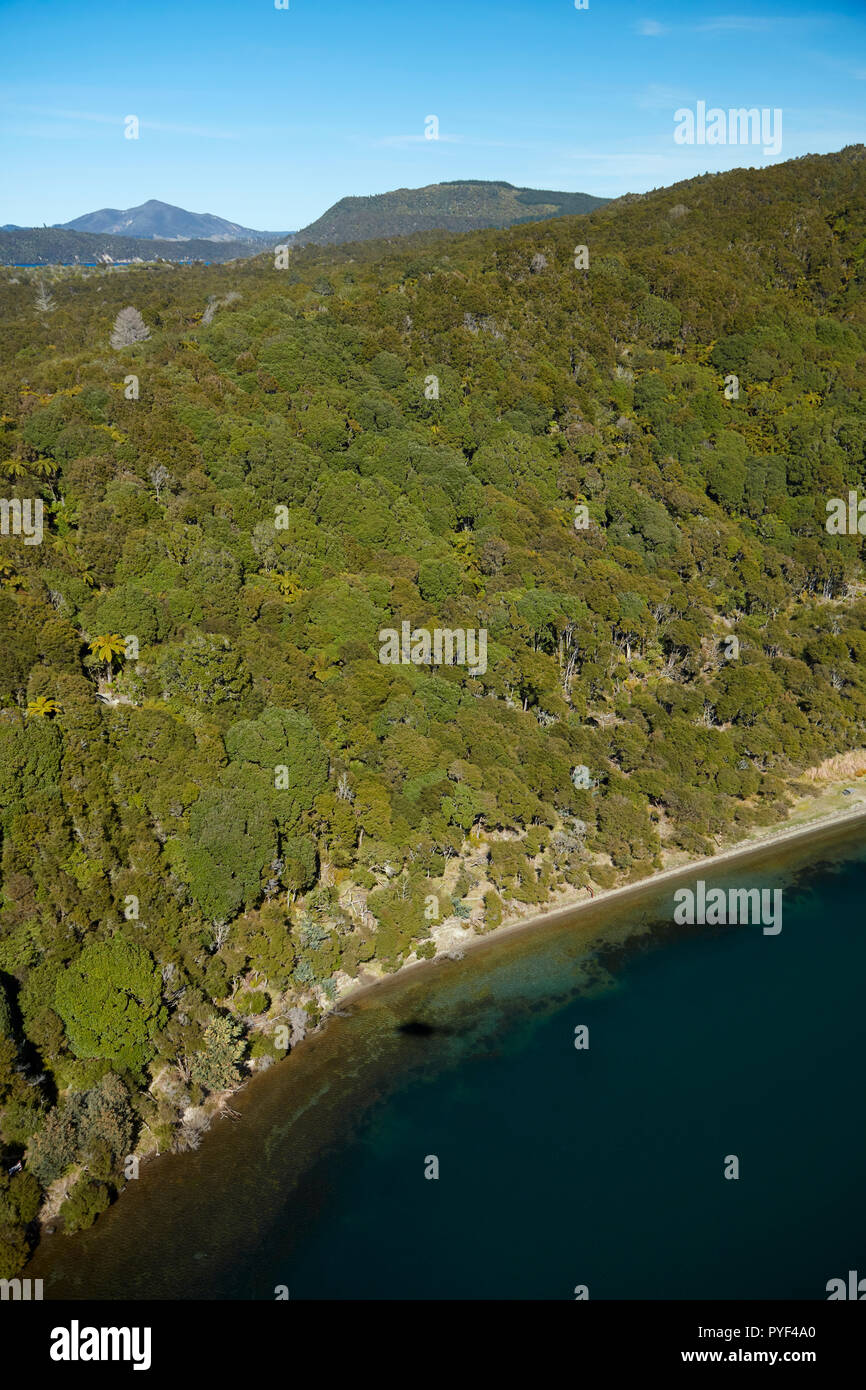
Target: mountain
162 220
459 206
60 246
160 231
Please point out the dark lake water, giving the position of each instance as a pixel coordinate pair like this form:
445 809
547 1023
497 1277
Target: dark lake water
557 1167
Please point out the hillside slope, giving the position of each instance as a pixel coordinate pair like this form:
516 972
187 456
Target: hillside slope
461 206
219 795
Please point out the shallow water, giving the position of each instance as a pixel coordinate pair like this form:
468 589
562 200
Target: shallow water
557 1167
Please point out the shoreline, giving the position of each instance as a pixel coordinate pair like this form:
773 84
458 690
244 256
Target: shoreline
743 849
328 1063
360 992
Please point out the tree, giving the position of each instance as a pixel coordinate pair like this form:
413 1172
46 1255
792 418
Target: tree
129 328
85 1202
106 648
44 302
14 1249
54 1146
661 318
107 1120
299 864
232 840
20 1197
85 1127
216 1066
286 747
462 807
110 1002
5 1013
438 580
492 909
42 706
298 1019
159 476
204 670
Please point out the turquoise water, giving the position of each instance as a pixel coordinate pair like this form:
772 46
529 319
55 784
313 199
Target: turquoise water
557 1167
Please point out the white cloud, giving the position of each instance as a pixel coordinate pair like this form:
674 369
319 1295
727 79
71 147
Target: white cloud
98 118
397 140
656 97
468 141
750 23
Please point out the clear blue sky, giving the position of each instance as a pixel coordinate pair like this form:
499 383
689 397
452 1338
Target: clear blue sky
268 116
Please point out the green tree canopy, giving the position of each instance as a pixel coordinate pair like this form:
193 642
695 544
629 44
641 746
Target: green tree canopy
110 1002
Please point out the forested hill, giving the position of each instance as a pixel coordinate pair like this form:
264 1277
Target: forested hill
47 246
215 796
460 206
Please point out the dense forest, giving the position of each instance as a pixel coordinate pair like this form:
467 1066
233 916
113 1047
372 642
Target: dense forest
36 246
217 803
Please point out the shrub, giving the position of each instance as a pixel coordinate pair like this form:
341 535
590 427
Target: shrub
84 1203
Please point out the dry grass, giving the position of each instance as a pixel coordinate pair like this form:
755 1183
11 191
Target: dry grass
843 767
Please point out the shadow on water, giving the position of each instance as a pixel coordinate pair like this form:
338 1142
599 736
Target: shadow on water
415 1028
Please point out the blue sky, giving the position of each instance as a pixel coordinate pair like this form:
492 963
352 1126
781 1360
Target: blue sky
268 116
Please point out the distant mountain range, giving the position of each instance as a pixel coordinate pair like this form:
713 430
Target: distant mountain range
160 231
461 206
156 230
